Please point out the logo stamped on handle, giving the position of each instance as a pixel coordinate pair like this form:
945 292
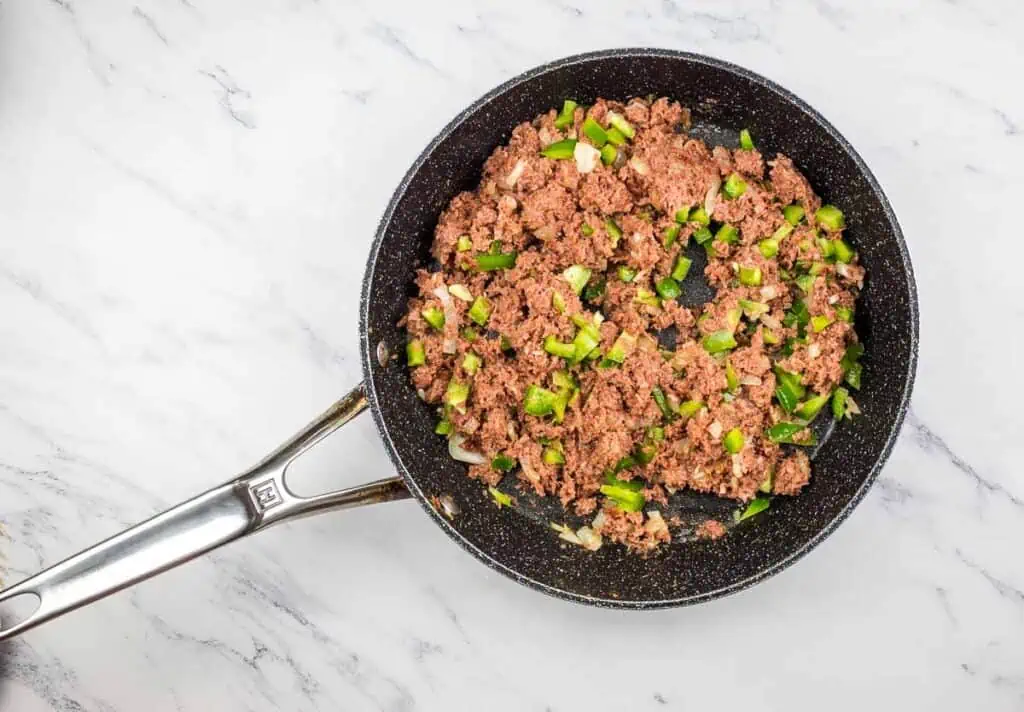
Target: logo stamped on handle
265 495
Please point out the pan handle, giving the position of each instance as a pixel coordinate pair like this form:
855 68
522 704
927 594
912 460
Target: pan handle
253 501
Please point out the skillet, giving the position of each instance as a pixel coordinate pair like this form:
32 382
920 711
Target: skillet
519 543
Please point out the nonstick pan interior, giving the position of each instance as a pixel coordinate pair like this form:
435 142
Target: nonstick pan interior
723 99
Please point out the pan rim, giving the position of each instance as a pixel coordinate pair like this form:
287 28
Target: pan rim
368 351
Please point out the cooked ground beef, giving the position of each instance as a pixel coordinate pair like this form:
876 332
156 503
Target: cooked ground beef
544 337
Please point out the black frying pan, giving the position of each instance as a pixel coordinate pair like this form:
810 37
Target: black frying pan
519 543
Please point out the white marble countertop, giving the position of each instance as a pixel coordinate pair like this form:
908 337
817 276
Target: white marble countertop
182 235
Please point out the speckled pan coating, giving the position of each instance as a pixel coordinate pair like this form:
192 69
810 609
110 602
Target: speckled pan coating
724 98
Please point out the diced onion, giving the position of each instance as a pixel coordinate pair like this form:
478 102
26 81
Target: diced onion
459 291
517 171
544 233
737 464
564 532
851 406
529 472
639 165
834 299
712 195
655 522
458 453
750 380
769 293
450 317
814 350
599 521
589 539
586 156
770 321
382 354
715 429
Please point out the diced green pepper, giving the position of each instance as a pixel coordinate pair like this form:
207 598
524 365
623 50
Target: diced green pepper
732 379
415 355
586 230
733 441
500 498
434 316
769 337
644 296
719 341
830 217
820 323
656 434
625 497
805 282
615 136
682 268
662 402
444 427
853 374
469 334
732 318
769 248
844 313
793 213
593 131
594 289
456 393
756 506
811 407
727 234
503 463
619 122
839 397
577 276
471 363
559 150
464 244
585 343
614 231
480 310
626 463
623 347
552 456
750 276
608 154
667 288
489 263
825 247
700 216
566 115
797 315
702 236
789 390
626 273
734 186
690 408
753 309
556 348
843 252
668 238
682 215
766 486
784 432
538 401
746 142
851 366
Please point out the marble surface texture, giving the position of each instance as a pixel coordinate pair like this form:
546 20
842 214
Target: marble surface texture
188 189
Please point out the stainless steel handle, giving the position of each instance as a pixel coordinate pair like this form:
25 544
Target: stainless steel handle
251 502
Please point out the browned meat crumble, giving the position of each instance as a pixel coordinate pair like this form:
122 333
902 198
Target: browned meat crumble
781 310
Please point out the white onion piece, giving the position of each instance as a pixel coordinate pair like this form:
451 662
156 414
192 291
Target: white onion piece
528 471
589 539
814 350
564 532
586 157
737 464
517 171
382 354
421 393
769 293
834 299
639 165
712 195
544 233
598 521
750 380
715 429
851 406
459 291
770 321
450 317
458 453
